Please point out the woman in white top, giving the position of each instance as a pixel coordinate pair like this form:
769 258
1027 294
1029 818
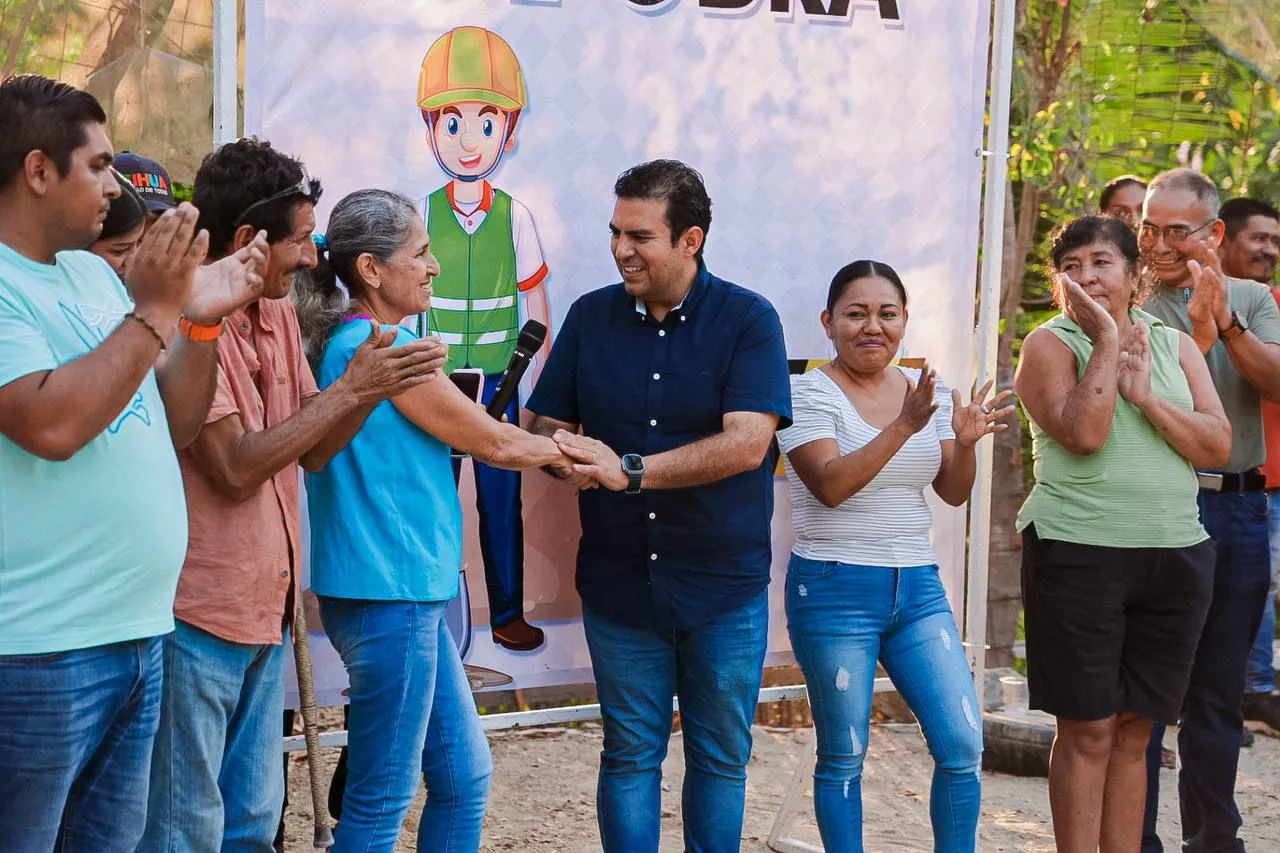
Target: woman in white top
868 438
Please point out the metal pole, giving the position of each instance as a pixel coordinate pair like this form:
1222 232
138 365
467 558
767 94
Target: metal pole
226 39
997 169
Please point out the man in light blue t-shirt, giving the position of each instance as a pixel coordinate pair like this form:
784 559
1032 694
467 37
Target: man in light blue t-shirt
96 389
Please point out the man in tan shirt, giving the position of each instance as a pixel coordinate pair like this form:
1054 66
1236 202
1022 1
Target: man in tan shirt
217 781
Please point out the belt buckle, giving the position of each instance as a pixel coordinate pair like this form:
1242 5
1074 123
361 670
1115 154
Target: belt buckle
1210 482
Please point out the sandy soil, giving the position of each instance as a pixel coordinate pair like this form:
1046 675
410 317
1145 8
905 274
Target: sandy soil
544 796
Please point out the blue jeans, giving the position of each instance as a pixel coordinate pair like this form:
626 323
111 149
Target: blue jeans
842 620
217 783
715 670
411 714
1212 717
1261 675
75 747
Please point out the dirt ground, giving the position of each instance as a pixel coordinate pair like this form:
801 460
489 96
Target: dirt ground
543 796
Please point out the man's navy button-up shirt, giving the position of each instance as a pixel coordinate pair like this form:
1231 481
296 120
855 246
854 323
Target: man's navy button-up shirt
670 558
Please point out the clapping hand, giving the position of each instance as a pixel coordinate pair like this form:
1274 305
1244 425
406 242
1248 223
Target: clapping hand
1133 379
918 406
970 423
379 371
233 282
1208 309
162 272
1092 318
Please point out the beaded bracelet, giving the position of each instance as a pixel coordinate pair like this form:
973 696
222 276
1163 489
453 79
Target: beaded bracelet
150 328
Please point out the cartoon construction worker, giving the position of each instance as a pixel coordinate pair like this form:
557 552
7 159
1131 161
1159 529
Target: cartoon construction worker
471 92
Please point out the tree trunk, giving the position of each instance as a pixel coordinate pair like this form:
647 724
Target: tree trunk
140 25
1004 590
19 34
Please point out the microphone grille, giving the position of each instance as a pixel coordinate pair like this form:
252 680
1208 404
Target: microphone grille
532 336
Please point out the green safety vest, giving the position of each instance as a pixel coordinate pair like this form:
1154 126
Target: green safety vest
474 302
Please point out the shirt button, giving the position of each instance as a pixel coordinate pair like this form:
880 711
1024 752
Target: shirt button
652 516
284 574
683 318
662 333
657 376
653 423
653 556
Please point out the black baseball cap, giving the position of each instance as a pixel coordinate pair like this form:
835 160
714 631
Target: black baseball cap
149 180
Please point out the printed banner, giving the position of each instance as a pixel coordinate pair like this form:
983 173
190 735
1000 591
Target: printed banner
826 130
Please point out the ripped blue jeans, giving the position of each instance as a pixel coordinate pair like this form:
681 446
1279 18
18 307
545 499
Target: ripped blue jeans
842 620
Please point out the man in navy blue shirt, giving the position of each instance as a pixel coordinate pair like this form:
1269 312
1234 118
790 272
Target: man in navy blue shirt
678 381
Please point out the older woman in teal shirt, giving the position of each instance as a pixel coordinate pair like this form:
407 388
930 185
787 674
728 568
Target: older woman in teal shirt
386 531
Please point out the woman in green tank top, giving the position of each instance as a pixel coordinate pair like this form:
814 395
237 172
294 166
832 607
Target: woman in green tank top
1117 571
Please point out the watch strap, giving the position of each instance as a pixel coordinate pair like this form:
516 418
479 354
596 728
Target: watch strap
199 333
1235 329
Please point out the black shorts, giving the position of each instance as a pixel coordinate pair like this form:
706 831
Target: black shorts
1112 629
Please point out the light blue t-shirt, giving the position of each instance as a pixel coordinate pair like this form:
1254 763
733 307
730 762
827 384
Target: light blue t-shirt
90 548
386 523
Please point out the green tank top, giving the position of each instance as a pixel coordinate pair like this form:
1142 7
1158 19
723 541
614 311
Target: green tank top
1136 492
475 298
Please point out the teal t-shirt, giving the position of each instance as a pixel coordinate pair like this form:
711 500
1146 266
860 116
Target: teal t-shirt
386 523
90 548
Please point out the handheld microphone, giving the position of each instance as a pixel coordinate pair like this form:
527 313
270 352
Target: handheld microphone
531 339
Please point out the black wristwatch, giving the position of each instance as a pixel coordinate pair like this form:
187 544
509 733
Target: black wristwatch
1234 329
633 467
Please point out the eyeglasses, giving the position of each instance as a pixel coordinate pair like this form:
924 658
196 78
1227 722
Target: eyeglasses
1149 235
302 188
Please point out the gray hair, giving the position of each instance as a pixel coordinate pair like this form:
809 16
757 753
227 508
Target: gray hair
1205 190
374 222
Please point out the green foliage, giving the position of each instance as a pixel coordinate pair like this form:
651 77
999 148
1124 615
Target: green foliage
183 192
25 24
1108 87
1144 86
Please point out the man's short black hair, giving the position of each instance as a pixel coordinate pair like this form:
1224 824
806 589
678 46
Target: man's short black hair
39 114
688 204
1237 212
238 176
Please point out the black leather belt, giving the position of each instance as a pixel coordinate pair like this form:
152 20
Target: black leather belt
1245 481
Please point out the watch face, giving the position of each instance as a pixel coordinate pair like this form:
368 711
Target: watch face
632 462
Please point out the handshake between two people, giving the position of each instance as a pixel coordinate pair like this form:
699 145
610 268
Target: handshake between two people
587 463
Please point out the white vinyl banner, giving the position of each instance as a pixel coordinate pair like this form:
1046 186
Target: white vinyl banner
826 131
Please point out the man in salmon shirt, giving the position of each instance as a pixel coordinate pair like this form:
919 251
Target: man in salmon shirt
1250 250
217 782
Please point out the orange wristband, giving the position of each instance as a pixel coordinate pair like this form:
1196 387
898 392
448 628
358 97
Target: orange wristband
197 333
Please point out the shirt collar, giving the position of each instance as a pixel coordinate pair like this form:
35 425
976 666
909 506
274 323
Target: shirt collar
486 198
690 299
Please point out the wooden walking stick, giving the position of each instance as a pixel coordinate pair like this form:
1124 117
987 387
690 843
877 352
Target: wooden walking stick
323 835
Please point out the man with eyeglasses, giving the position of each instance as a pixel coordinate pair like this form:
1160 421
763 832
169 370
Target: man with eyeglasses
1236 325
217 781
